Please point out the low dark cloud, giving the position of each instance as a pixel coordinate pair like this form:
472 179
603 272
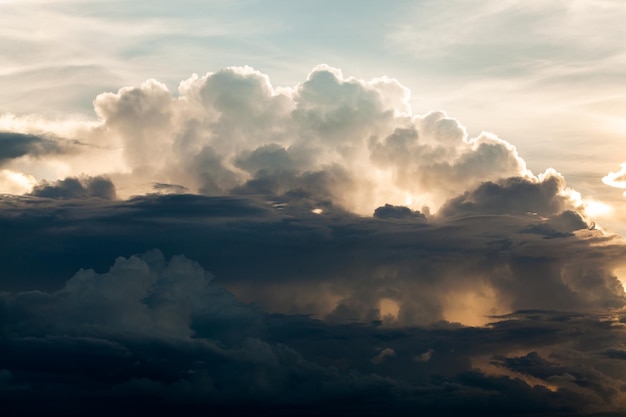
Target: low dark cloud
513 195
158 334
288 258
304 312
389 211
169 188
15 145
76 188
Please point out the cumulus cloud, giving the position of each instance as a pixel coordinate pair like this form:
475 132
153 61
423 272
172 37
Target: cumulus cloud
360 251
141 294
383 355
339 146
616 179
159 335
76 188
389 211
461 265
515 195
232 130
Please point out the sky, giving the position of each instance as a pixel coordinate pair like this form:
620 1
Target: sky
294 208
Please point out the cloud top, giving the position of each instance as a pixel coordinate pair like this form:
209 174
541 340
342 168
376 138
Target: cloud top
355 143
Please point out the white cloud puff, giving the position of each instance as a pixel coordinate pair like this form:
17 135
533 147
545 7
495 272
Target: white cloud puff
232 128
616 179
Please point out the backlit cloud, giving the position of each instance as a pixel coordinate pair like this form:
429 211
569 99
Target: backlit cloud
362 259
340 139
616 179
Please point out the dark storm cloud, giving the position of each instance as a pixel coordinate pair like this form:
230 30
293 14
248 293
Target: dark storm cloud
514 195
324 296
389 211
232 130
15 145
158 335
76 188
281 254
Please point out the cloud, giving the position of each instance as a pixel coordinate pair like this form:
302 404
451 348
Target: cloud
76 188
158 334
616 179
169 188
396 212
359 252
15 182
514 195
464 266
138 295
383 355
339 139
338 148
15 145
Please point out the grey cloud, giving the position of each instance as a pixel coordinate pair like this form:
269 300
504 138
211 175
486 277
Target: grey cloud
76 188
436 158
593 381
389 211
311 189
15 145
337 110
140 295
442 128
334 264
330 295
515 195
162 331
267 158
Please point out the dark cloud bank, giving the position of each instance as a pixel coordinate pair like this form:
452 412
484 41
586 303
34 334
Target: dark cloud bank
264 294
156 332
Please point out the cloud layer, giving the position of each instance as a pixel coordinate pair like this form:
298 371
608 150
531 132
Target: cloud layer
366 259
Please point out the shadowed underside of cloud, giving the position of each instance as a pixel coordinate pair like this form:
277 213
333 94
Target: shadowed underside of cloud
403 269
366 260
76 188
158 335
15 145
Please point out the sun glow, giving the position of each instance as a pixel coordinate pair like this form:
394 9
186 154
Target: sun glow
594 208
620 273
616 179
389 309
16 182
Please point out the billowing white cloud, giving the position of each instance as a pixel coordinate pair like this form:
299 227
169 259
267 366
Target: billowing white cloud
76 188
616 179
351 142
